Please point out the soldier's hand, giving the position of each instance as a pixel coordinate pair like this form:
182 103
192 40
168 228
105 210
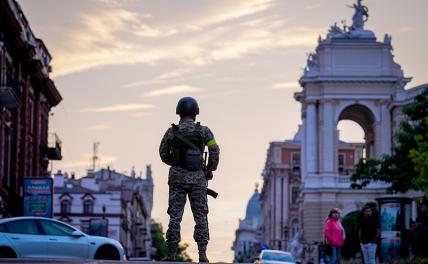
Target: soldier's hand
209 175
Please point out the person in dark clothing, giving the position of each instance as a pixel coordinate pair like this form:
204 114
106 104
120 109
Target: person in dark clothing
368 235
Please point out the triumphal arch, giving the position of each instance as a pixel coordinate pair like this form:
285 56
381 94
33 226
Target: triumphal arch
351 75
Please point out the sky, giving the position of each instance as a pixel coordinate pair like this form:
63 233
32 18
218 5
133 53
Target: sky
122 65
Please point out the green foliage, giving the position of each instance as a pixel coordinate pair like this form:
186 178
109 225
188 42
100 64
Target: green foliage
402 170
419 157
159 243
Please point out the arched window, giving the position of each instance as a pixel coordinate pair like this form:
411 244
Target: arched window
295 227
65 207
88 207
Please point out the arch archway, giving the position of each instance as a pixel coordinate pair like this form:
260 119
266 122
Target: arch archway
365 118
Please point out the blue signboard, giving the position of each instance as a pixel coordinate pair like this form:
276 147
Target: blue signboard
38 197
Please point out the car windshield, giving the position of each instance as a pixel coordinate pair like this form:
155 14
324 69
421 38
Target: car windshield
277 256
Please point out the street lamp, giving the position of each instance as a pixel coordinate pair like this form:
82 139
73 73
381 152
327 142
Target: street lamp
104 211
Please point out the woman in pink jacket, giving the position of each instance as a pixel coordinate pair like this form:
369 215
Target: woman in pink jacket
335 234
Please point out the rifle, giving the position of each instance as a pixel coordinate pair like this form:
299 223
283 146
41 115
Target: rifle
210 192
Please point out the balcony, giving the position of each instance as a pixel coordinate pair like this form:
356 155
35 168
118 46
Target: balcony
53 149
10 95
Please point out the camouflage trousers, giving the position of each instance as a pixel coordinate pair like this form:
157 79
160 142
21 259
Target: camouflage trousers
198 203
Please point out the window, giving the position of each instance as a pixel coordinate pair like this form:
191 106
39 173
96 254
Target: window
295 161
65 207
23 227
341 162
88 207
294 194
56 229
295 227
3 228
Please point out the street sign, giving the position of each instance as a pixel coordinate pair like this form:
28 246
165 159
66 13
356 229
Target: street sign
38 197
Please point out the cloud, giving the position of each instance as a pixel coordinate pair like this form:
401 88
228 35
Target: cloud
179 89
314 6
406 29
87 161
157 79
285 85
142 114
99 127
117 108
236 10
299 36
120 37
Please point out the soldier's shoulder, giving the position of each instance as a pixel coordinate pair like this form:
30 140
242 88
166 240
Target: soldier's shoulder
206 131
169 132
204 128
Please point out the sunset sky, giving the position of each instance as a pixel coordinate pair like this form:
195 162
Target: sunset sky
122 65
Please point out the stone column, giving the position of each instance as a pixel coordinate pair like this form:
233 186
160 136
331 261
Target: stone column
328 137
385 137
311 137
287 193
303 151
377 151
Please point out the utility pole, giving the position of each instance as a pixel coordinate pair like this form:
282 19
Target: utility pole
95 156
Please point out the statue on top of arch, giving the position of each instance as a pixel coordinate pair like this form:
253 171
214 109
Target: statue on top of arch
361 15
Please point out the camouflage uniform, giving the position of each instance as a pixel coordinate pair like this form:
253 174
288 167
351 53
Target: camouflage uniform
193 183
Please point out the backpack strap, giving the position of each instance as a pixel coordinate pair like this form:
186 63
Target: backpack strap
177 134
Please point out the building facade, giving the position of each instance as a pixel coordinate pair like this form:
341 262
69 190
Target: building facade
282 183
27 94
110 204
350 76
247 237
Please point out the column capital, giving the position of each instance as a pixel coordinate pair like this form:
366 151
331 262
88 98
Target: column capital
311 101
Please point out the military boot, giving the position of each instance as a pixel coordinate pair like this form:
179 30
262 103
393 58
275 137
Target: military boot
202 249
171 251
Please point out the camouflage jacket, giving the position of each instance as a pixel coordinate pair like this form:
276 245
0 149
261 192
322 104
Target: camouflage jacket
180 175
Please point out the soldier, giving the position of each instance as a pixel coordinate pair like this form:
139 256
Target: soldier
181 148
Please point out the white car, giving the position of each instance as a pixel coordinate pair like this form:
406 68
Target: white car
38 237
268 256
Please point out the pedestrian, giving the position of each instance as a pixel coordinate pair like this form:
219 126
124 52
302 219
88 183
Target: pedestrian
335 235
368 235
182 148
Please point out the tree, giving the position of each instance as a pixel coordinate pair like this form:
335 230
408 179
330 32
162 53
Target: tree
401 169
159 243
419 157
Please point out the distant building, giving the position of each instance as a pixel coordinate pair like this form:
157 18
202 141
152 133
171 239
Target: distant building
280 197
125 201
247 236
27 95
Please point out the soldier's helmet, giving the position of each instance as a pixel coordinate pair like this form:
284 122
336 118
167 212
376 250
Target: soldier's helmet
187 106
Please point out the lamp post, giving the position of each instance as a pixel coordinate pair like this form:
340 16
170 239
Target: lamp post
104 211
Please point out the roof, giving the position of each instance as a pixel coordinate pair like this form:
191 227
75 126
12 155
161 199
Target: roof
74 189
254 206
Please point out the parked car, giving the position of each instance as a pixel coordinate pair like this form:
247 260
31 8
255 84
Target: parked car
38 237
268 256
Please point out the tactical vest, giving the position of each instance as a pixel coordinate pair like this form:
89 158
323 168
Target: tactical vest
183 154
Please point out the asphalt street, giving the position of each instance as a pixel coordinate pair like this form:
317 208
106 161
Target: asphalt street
42 261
